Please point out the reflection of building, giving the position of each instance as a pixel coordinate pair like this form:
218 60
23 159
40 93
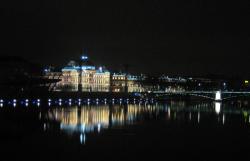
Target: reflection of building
90 118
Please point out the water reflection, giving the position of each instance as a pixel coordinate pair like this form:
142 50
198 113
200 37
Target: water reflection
87 119
217 107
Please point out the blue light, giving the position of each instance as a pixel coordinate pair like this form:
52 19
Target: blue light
82 138
100 69
14 100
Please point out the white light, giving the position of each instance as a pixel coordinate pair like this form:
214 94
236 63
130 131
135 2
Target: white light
26 100
14 100
14 104
44 126
198 117
49 100
60 103
84 57
100 69
1 104
38 104
217 107
26 104
38 100
1 101
99 127
218 96
49 103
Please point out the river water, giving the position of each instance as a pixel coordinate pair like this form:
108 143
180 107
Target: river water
171 130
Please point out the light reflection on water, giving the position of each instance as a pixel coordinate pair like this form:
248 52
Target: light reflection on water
86 119
96 118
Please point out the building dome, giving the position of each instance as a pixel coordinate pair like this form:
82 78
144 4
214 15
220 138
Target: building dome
72 63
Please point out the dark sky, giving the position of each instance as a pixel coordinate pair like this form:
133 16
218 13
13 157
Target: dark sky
152 36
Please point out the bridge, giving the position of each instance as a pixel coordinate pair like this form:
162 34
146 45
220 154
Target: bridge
210 95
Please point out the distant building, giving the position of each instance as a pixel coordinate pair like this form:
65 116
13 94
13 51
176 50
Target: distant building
134 83
92 79
86 74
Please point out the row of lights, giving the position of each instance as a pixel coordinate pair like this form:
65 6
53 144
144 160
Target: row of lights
79 101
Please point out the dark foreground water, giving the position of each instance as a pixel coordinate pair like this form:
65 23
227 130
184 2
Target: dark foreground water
156 131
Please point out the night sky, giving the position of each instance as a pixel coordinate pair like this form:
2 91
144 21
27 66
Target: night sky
151 36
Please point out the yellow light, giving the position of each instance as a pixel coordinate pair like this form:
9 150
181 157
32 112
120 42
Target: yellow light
246 81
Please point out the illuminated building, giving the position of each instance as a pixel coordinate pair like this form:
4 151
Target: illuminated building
85 74
133 83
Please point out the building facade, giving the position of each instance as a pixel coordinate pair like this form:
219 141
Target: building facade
85 75
119 82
